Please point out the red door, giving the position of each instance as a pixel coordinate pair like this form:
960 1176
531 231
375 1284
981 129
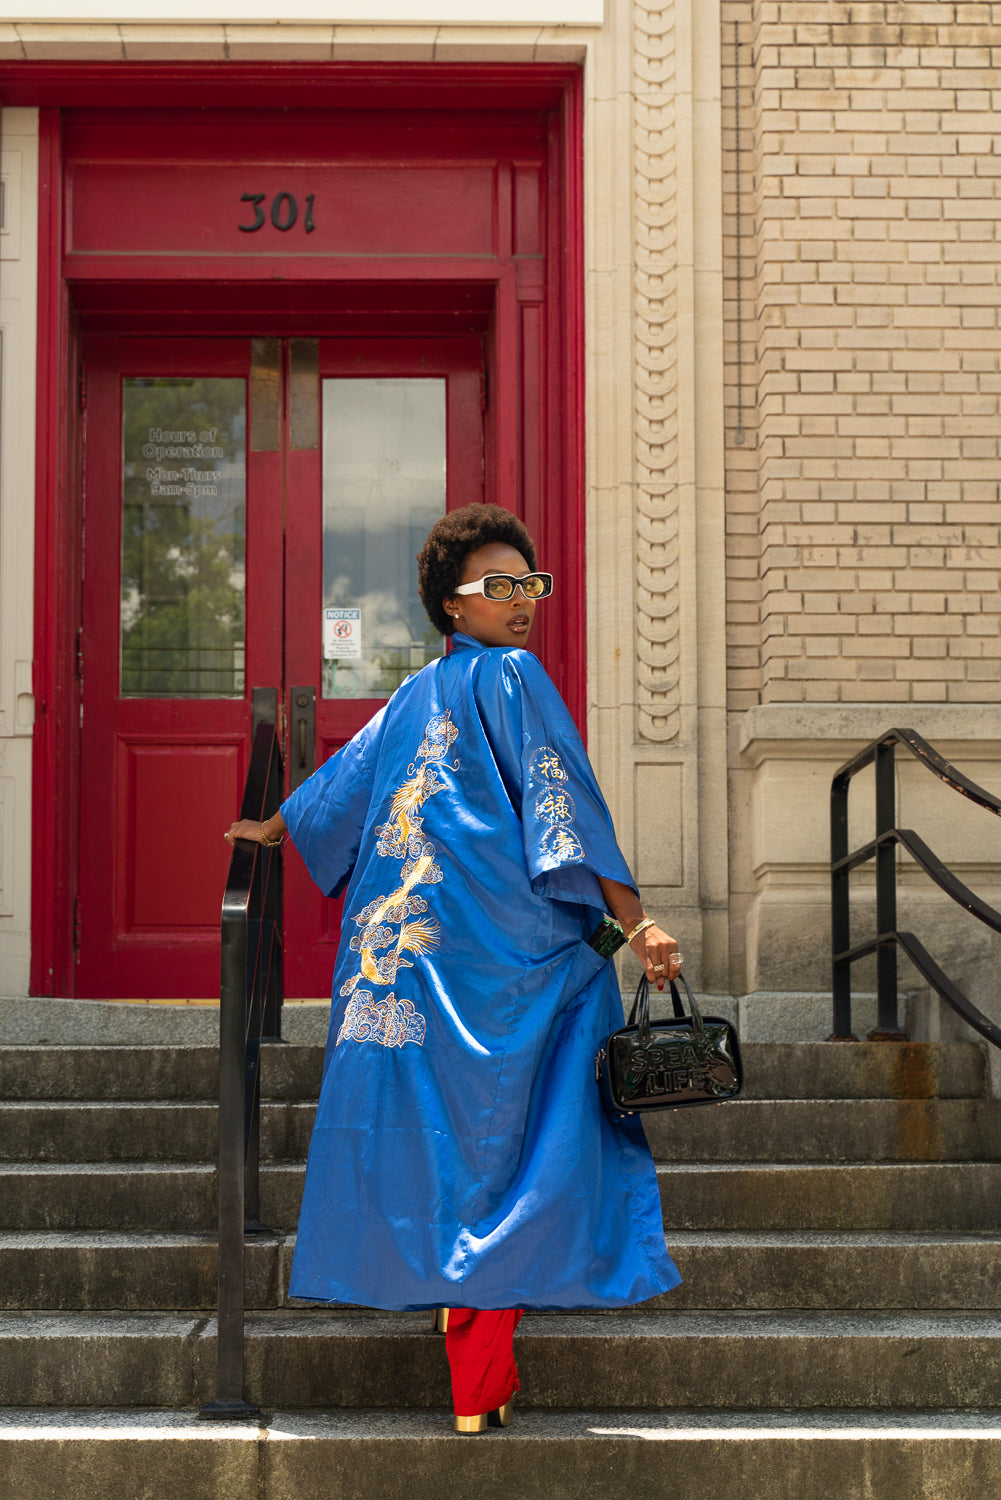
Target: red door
252 511
400 427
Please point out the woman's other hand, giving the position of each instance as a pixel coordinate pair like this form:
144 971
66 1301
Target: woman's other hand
658 953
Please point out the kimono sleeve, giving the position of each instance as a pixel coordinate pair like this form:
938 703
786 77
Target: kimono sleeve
326 815
568 832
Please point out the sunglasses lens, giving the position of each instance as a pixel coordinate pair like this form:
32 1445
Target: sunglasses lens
498 588
535 586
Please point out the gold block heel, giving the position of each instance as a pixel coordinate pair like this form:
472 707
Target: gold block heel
473 1424
439 1320
503 1416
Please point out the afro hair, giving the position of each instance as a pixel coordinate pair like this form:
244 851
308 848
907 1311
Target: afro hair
450 541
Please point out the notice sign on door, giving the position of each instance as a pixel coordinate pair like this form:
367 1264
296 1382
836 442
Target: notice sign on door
341 633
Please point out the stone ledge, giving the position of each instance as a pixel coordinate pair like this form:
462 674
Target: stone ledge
227 40
824 729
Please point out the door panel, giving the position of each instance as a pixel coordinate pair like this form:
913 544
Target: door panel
214 556
169 654
150 776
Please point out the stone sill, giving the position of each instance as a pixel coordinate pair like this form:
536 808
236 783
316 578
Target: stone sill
217 41
837 730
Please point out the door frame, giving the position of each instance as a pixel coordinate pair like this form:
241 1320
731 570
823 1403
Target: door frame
60 401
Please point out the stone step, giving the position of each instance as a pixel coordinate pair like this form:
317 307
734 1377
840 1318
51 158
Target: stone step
92 1073
345 1454
622 1361
825 1130
781 1195
866 1070
151 1072
796 1070
947 1196
170 1196
180 1197
108 1270
792 1130
139 1130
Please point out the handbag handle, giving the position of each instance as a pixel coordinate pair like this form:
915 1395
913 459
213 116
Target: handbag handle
641 1003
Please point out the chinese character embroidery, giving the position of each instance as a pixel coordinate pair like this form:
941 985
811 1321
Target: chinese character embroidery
554 807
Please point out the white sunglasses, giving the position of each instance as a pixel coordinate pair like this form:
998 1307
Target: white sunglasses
502 586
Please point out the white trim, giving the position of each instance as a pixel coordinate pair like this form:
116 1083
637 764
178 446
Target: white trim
18 325
10 206
331 12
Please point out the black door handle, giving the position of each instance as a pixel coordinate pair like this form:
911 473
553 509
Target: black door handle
302 702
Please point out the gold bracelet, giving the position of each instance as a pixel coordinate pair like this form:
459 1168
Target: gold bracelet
271 843
641 927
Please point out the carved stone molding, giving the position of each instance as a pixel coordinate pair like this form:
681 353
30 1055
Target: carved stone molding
655 363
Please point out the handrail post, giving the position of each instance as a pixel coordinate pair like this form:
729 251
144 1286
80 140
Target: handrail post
252 1055
271 935
252 1156
229 1400
841 973
887 1027
250 999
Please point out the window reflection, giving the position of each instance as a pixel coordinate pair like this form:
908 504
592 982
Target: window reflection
183 538
383 490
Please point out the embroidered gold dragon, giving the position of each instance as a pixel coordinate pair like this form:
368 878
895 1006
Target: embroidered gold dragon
393 926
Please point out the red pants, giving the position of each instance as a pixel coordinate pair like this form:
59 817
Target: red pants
481 1355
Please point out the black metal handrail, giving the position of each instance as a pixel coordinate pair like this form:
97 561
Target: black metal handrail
250 1011
883 849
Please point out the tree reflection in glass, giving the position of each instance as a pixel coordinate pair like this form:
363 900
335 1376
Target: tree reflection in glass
383 490
183 537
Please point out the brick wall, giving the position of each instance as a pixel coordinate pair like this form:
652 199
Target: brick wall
864 505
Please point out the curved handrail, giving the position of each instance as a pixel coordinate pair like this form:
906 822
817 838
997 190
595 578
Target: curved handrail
881 848
929 757
940 981
933 867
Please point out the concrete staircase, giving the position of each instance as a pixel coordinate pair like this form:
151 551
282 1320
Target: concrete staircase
837 1333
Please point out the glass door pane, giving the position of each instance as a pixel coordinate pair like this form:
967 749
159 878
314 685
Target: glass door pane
383 489
183 581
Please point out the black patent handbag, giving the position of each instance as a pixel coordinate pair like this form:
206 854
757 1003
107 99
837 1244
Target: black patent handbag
647 1065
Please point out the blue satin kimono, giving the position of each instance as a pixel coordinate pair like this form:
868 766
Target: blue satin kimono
460 1156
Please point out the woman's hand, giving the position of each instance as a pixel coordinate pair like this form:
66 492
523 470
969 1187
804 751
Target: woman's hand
244 828
269 832
658 954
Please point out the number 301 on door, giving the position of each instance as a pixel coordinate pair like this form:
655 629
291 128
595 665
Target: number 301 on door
284 212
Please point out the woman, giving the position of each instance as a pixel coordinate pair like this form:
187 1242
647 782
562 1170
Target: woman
460 1157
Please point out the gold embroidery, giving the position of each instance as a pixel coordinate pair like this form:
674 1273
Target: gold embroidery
394 1020
545 763
555 808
